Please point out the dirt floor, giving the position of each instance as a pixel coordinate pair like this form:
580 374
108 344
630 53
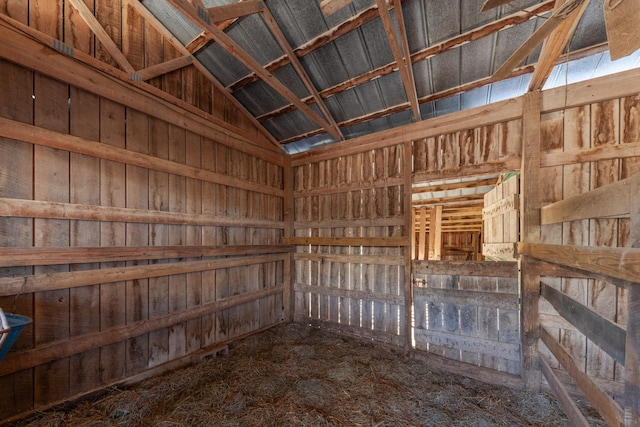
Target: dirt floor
295 375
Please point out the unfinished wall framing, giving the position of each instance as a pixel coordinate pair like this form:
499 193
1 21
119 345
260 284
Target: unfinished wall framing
134 242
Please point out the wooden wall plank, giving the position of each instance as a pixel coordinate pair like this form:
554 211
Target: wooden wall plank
84 175
137 194
16 180
112 193
51 183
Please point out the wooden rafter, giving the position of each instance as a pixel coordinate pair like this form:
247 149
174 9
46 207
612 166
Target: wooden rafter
455 186
400 49
431 51
329 7
153 21
554 44
230 45
280 37
321 40
102 35
164 67
235 10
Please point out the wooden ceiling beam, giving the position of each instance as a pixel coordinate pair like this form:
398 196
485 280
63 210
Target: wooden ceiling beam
321 40
431 51
455 186
104 38
239 53
235 10
329 7
555 43
284 43
164 67
158 26
401 54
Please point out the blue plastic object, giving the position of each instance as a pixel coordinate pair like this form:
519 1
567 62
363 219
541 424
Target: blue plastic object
16 322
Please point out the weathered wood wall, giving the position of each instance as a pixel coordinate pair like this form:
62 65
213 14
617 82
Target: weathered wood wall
132 241
469 312
586 147
346 274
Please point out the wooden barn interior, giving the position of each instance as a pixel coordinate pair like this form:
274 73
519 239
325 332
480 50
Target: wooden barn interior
459 181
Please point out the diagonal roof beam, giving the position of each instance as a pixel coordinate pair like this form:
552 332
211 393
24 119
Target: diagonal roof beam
155 23
412 93
554 45
320 40
277 32
230 45
102 35
329 7
409 85
235 10
164 67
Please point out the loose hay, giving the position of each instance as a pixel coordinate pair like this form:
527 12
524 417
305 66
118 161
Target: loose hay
296 375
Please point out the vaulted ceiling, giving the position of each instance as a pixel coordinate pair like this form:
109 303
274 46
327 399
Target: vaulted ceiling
311 72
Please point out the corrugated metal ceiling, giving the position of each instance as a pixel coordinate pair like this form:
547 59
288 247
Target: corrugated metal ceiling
382 102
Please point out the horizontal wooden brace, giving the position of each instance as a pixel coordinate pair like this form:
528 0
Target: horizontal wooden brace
54 210
503 350
613 200
350 258
350 293
347 241
468 298
351 186
52 281
41 354
607 407
466 268
563 396
604 333
48 138
30 256
618 263
507 164
501 207
594 154
353 223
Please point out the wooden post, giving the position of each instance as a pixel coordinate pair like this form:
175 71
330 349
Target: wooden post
632 348
422 234
530 226
407 171
287 301
435 233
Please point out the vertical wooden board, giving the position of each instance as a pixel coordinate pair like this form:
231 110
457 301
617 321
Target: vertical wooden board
509 326
450 151
576 181
489 146
153 51
488 322
112 193
467 146
16 181
51 183
435 321
605 127
133 35
84 173
205 94
468 319
512 140
177 237
109 14
450 318
172 81
193 238
15 9
159 236
76 31
420 155
190 88
629 133
433 154
137 234
46 17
